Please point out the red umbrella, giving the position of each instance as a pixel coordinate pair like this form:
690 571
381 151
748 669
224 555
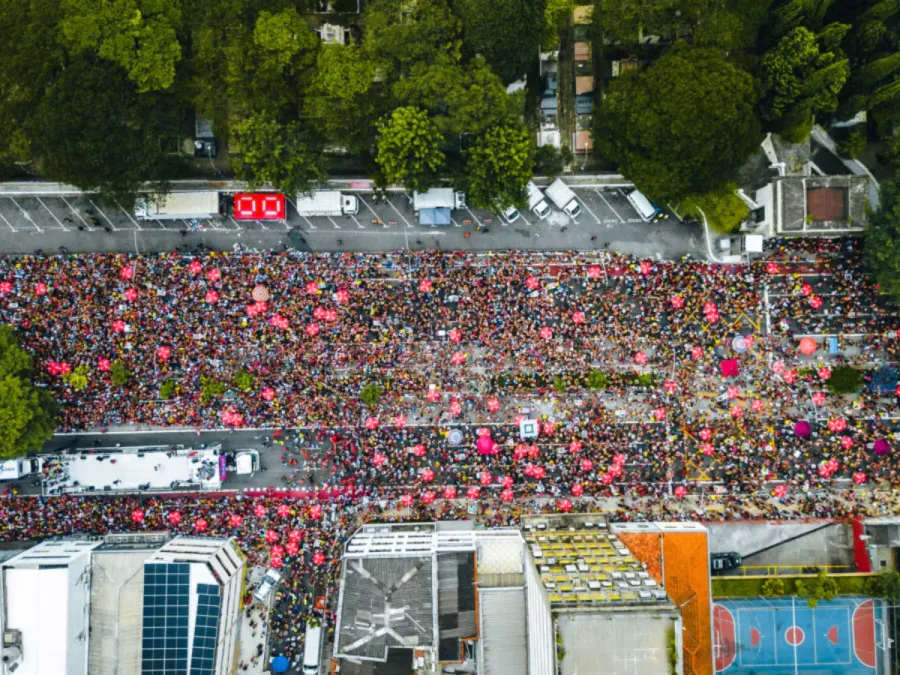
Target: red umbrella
473 492
425 285
104 364
577 317
575 446
606 478
780 491
277 551
400 421
546 332
295 535
268 393
707 449
846 442
259 510
677 301
519 452
697 353
64 368
283 510
577 490
126 273
670 386
279 321
163 353
319 313
564 505
818 398
292 548
485 478
342 296
533 452
174 517
427 497
507 481
680 491
533 283
586 465
732 392
276 562
137 516
433 395
212 296
319 558
709 308
200 525
455 335
455 408
6 287
736 410
837 424
378 459
118 326
427 475
808 346
406 500
507 495
859 477
41 288
789 376
195 267
806 289
419 450
312 287
772 268
493 405
547 428
757 406
594 272
659 414
131 294
778 367
619 459
450 492
458 358
213 275
371 423
529 470
712 317
539 472
331 315
646 267
640 358
315 512
815 302
824 373
312 329
271 536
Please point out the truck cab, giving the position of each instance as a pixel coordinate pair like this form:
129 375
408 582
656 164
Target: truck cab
349 204
246 462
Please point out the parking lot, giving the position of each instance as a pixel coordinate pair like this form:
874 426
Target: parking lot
82 222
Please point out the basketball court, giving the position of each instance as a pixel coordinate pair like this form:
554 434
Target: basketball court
764 636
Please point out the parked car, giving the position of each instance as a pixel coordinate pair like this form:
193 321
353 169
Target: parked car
721 562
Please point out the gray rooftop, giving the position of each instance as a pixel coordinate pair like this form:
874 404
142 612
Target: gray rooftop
385 603
792 194
504 644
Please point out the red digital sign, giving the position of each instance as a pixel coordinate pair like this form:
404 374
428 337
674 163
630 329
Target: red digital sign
259 206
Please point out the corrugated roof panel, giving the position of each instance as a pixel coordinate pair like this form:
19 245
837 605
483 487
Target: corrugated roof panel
503 633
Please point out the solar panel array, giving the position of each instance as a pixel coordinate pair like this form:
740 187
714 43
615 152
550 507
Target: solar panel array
164 650
203 654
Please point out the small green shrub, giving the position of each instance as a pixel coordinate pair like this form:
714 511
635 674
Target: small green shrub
844 380
597 380
243 380
371 393
167 389
559 384
773 588
210 388
77 379
119 373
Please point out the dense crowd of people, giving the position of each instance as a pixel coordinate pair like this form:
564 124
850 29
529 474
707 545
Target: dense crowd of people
620 363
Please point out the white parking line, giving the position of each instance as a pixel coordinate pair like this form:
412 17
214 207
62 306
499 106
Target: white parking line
374 213
593 215
100 211
311 226
474 217
358 224
381 233
398 213
455 224
75 211
600 194
8 223
59 222
336 226
137 227
26 214
527 222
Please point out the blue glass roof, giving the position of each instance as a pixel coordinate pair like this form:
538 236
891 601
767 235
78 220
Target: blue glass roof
165 621
203 653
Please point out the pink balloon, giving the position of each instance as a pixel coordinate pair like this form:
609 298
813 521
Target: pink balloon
473 492
174 517
586 465
507 495
425 286
706 433
118 326
342 296
400 421
378 459
163 353
131 294
564 505
646 267
575 446
659 414
493 405
546 332
419 450
680 491
533 283
195 268
126 273
406 500
707 449
458 358
485 478
200 525
578 317
137 516
41 288
372 423
772 268
577 490
433 395
312 287
259 510
697 353
455 335
640 358
677 301
427 497
427 475
312 329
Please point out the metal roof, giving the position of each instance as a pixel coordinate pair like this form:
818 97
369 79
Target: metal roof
503 645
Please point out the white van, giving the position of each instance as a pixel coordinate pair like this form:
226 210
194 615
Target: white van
267 585
644 207
312 649
510 215
536 201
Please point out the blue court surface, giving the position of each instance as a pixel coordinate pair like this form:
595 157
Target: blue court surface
763 636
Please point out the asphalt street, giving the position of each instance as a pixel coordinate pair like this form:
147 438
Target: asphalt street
82 223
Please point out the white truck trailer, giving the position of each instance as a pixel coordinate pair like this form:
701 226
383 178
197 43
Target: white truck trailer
327 203
563 197
178 206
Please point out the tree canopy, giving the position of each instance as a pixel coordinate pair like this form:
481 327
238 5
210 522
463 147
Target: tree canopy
883 240
499 166
409 151
687 140
27 413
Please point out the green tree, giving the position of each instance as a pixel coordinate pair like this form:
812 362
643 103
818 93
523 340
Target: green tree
597 380
243 380
556 17
406 33
669 145
27 413
821 587
799 80
138 35
724 210
283 36
498 166
886 585
507 33
92 129
409 149
853 145
371 393
77 379
210 389
844 380
548 161
280 155
119 373
167 389
874 72
773 587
